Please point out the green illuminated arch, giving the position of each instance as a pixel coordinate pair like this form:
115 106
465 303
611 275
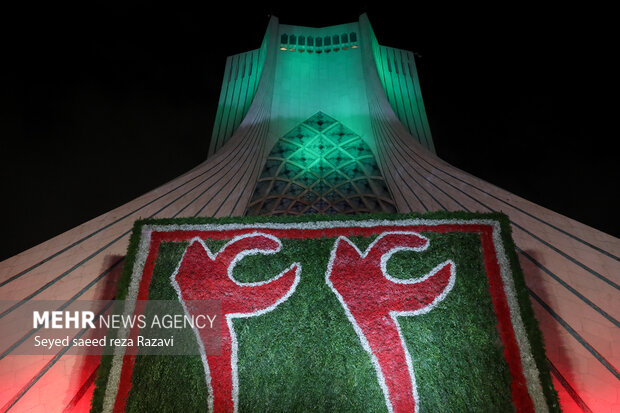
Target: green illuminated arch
320 166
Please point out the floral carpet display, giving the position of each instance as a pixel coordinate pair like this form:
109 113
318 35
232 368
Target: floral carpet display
396 313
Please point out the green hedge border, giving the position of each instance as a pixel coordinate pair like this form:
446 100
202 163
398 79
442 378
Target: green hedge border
527 313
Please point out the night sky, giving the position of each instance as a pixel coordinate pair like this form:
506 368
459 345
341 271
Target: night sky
104 104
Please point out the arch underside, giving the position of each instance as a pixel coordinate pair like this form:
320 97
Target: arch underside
320 166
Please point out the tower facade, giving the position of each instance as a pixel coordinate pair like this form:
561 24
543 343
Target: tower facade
327 120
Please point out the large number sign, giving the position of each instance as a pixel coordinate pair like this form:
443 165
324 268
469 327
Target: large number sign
206 276
373 302
385 281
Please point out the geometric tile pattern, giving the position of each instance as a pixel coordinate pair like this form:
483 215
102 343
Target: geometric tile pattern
323 167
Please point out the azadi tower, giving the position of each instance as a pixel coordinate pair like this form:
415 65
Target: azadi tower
328 120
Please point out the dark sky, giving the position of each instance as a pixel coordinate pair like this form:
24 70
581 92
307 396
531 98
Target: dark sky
103 104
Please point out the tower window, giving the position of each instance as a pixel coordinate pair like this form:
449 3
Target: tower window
301 40
310 44
353 38
345 41
283 41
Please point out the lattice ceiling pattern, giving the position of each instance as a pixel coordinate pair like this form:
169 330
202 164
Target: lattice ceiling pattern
320 166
